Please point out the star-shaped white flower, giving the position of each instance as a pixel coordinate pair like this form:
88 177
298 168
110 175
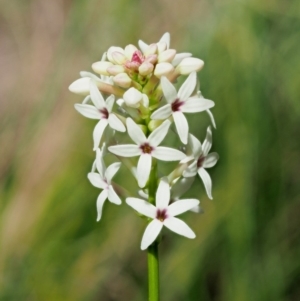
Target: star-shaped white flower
101 110
201 160
163 214
181 103
146 148
102 180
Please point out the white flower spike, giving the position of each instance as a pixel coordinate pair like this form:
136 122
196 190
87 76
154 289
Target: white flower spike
202 160
101 110
181 103
102 180
163 214
146 148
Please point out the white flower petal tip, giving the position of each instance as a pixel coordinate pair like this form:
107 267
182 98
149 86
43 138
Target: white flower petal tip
188 65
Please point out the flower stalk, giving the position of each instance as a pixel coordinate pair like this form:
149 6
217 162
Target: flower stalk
140 102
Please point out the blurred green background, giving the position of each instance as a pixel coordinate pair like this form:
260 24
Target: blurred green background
247 245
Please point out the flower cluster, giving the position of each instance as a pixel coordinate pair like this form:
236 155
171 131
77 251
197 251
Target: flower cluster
134 93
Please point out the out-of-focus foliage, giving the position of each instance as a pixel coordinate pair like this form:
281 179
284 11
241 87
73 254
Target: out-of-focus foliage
247 245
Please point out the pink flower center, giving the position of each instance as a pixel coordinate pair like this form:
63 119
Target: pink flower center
161 214
176 105
200 161
146 148
104 113
136 60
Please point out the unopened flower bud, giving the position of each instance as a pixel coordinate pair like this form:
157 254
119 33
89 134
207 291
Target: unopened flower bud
101 67
188 65
110 52
132 97
146 68
81 86
167 55
130 50
115 69
179 57
122 80
152 58
118 57
152 49
163 69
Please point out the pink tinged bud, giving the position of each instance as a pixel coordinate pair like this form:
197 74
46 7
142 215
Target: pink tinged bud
118 57
129 51
151 59
188 65
152 49
132 97
163 69
167 55
122 80
115 69
146 68
111 50
101 67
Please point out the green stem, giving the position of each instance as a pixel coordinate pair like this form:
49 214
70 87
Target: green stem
153 272
153 262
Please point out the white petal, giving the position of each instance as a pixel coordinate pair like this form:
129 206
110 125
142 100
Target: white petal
166 38
143 169
178 226
115 123
162 113
188 87
169 91
110 103
135 132
207 142
112 196
96 180
196 104
88 111
179 57
206 181
133 97
143 46
210 160
182 206
181 186
212 119
125 150
100 201
111 171
167 154
191 170
151 233
181 126
142 207
159 134
195 146
100 163
98 132
96 96
163 194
